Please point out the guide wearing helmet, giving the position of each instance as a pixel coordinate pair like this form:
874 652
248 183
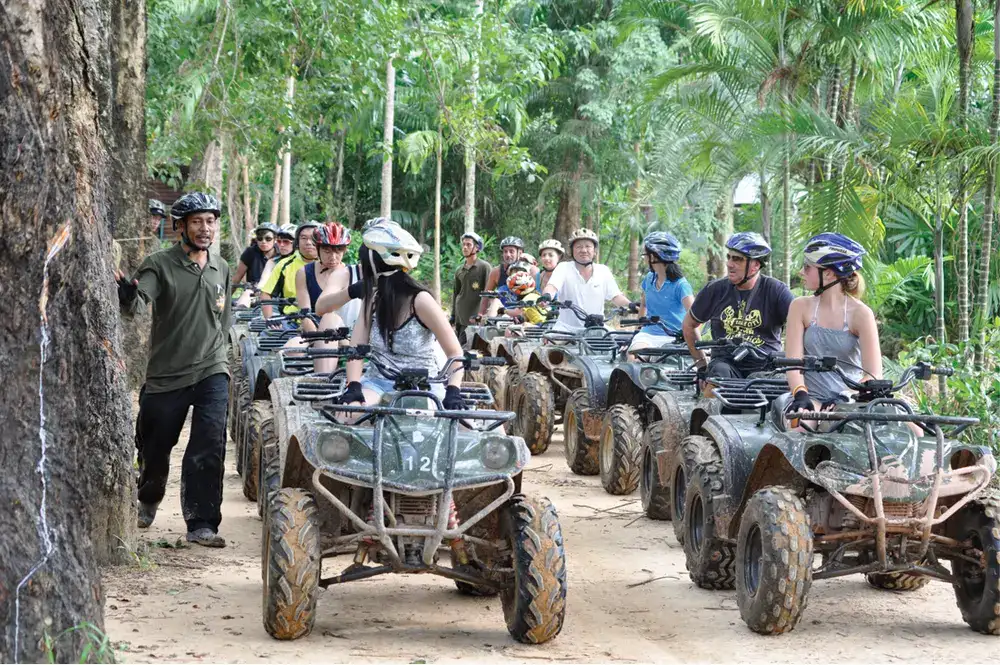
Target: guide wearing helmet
585 283
666 293
745 304
831 322
470 282
188 289
511 249
399 318
255 257
328 274
550 253
281 282
157 213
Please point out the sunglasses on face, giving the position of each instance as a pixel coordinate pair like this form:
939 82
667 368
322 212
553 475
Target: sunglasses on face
736 258
265 238
285 240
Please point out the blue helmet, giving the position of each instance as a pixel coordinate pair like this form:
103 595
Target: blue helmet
835 252
664 245
749 244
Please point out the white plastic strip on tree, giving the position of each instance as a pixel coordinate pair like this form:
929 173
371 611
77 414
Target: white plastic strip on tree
55 245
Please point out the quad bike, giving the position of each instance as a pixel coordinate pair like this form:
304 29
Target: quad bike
879 490
483 338
515 345
568 372
411 482
647 414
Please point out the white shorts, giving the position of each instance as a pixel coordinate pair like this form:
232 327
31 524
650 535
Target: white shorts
649 341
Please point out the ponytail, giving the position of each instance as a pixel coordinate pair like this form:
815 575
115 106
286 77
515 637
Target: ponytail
854 285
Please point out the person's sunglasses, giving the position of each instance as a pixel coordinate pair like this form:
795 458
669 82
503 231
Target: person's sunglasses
265 238
736 258
285 240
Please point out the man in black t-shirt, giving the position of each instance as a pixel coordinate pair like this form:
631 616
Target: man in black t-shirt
255 257
744 304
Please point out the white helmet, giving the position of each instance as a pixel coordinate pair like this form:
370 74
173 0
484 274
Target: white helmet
553 244
583 233
394 245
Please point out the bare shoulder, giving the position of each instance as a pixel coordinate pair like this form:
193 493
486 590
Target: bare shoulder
800 306
860 315
424 302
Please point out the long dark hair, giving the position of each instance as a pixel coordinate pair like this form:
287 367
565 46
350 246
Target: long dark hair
672 269
393 294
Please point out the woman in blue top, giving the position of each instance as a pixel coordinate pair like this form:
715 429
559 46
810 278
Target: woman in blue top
665 291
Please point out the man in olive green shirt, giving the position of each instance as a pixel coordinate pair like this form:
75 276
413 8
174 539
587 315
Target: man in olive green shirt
470 280
189 290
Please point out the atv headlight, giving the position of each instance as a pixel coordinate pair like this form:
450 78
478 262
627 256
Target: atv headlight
334 448
649 376
496 453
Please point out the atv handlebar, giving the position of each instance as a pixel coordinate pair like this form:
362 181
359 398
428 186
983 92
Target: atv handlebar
334 335
872 388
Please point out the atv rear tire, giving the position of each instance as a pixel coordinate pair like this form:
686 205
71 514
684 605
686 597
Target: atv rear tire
619 448
242 406
291 564
693 449
259 411
710 557
774 551
898 581
495 381
533 403
581 453
269 477
506 401
977 588
655 494
534 607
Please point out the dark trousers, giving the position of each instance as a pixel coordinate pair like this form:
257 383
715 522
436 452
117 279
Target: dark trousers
161 418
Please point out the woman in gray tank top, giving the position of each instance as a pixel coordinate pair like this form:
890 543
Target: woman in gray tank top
831 322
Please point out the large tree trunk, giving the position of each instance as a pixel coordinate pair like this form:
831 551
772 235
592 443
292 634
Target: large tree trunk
206 175
65 416
983 304
249 215
470 149
338 178
286 166
723 229
570 205
437 216
964 39
234 211
786 204
385 210
765 207
833 105
276 196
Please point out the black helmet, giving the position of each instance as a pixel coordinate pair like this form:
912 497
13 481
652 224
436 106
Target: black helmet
157 208
192 203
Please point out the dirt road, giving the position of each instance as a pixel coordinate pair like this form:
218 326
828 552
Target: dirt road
205 605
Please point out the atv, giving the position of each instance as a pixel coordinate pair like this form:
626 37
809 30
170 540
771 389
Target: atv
515 345
568 372
412 482
870 486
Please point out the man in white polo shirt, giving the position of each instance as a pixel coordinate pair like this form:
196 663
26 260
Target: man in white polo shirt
586 284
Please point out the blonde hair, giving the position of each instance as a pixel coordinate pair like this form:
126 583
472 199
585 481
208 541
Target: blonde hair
854 285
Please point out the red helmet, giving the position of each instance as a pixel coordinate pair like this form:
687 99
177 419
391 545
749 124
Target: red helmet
521 283
333 234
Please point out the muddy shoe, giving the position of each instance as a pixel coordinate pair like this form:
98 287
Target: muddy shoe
147 513
206 537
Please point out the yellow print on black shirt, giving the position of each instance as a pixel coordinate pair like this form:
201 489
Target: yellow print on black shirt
742 324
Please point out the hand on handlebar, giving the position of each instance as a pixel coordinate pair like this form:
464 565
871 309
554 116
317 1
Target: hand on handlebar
453 400
800 402
352 395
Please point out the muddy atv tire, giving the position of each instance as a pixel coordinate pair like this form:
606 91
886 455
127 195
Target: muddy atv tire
506 401
693 450
655 494
533 403
259 411
977 587
710 557
898 581
495 381
242 405
269 476
581 453
534 607
291 564
774 550
619 449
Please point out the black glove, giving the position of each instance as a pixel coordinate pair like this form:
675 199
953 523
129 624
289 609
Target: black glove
453 399
633 307
501 311
351 395
800 402
127 291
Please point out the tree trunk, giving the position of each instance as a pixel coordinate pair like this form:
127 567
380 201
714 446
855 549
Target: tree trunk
437 216
338 180
206 175
786 204
568 212
385 209
633 262
964 39
834 104
847 105
983 304
276 197
470 149
723 228
939 281
286 165
65 92
359 163
249 215
233 211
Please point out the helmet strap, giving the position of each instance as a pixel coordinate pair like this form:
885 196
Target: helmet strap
826 287
746 273
194 249
584 265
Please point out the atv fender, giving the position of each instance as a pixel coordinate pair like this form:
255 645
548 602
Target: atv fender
597 386
624 387
738 441
254 368
248 349
772 468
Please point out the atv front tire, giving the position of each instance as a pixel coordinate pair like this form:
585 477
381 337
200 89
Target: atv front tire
710 557
581 453
977 587
693 450
269 478
534 607
655 494
291 564
533 403
259 411
620 445
774 550
242 405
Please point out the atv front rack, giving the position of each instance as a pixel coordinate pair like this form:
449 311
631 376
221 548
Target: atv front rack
319 387
923 524
749 394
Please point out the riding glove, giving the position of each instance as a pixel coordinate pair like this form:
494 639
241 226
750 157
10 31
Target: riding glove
127 292
453 399
351 395
800 402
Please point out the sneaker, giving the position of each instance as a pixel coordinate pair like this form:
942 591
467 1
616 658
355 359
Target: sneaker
147 513
206 537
